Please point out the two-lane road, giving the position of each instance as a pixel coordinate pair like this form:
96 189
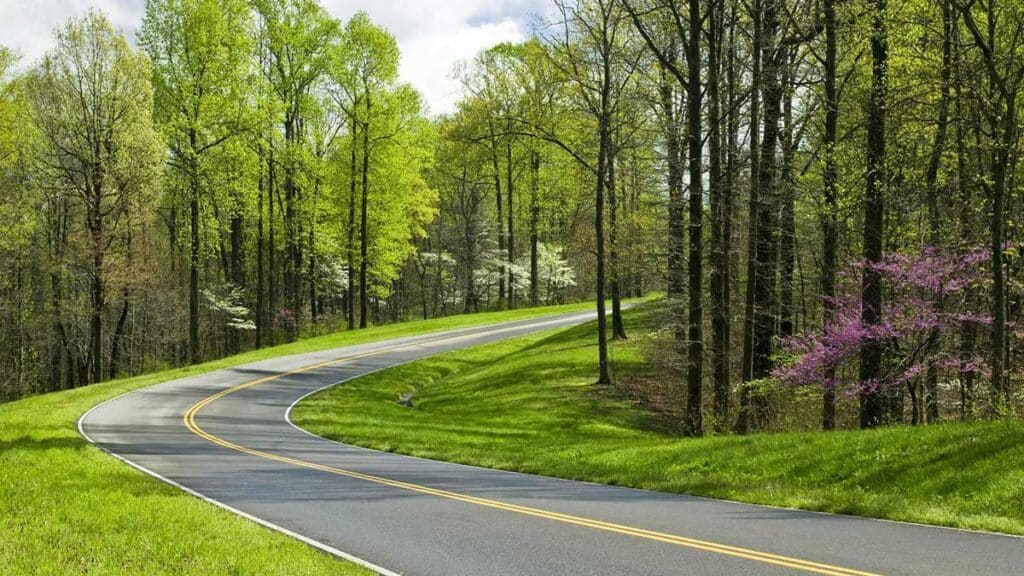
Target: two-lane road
225 436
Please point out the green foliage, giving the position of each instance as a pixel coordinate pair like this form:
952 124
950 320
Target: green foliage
202 70
370 56
18 144
299 35
93 102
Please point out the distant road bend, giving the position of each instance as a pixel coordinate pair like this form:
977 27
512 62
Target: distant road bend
225 436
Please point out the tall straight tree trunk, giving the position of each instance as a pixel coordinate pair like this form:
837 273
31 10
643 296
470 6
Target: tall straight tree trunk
615 286
58 244
764 259
723 383
604 376
872 397
364 303
747 364
193 286
261 302
830 179
931 386
509 191
293 259
695 268
718 188
534 224
1000 163
237 249
96 297
350 296
968 332
787 183
272 288
117 342
237 268
222 252
673 153
312 270
495 166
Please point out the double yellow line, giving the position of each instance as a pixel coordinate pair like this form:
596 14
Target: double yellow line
747 554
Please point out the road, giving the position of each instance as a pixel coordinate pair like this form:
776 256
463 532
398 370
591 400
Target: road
225 436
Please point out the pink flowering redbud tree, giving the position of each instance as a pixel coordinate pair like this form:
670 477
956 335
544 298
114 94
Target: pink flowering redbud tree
925 306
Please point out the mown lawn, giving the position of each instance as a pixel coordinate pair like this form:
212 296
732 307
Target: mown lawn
68 508
529 405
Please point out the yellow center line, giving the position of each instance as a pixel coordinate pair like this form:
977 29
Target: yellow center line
748 554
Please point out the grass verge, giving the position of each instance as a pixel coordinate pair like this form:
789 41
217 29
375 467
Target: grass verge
68 508
528 405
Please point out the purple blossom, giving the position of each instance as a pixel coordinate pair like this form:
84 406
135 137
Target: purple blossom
925 297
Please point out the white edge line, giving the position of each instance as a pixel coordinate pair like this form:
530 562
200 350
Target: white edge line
288 419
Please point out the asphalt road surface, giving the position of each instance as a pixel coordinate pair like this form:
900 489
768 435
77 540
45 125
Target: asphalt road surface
225 436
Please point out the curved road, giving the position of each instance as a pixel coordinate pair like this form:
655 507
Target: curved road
225 436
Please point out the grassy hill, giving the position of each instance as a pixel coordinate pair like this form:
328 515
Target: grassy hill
529 405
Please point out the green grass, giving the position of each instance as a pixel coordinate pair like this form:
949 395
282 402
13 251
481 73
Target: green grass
529 405
68 508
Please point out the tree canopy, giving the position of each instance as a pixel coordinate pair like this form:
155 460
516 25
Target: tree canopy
828 194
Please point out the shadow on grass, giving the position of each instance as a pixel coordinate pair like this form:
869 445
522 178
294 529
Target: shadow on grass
33 444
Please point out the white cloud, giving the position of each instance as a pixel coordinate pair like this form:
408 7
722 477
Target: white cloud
27 26
428 62
432 34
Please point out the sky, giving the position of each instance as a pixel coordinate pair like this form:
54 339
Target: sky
433 35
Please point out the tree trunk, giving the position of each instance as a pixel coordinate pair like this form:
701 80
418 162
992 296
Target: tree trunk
604 374
695 269
746 371
312 275
237 269
787 224
293 261
673 152
364 304
931 383
764 260
117 342
350 301
830 179
59 348
498 212
968 332
872 397
509 186
618 329
96 304
193 292
534 224
261 301
272 245
718 188
1001 159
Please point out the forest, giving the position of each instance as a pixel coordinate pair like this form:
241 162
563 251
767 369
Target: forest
826 192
